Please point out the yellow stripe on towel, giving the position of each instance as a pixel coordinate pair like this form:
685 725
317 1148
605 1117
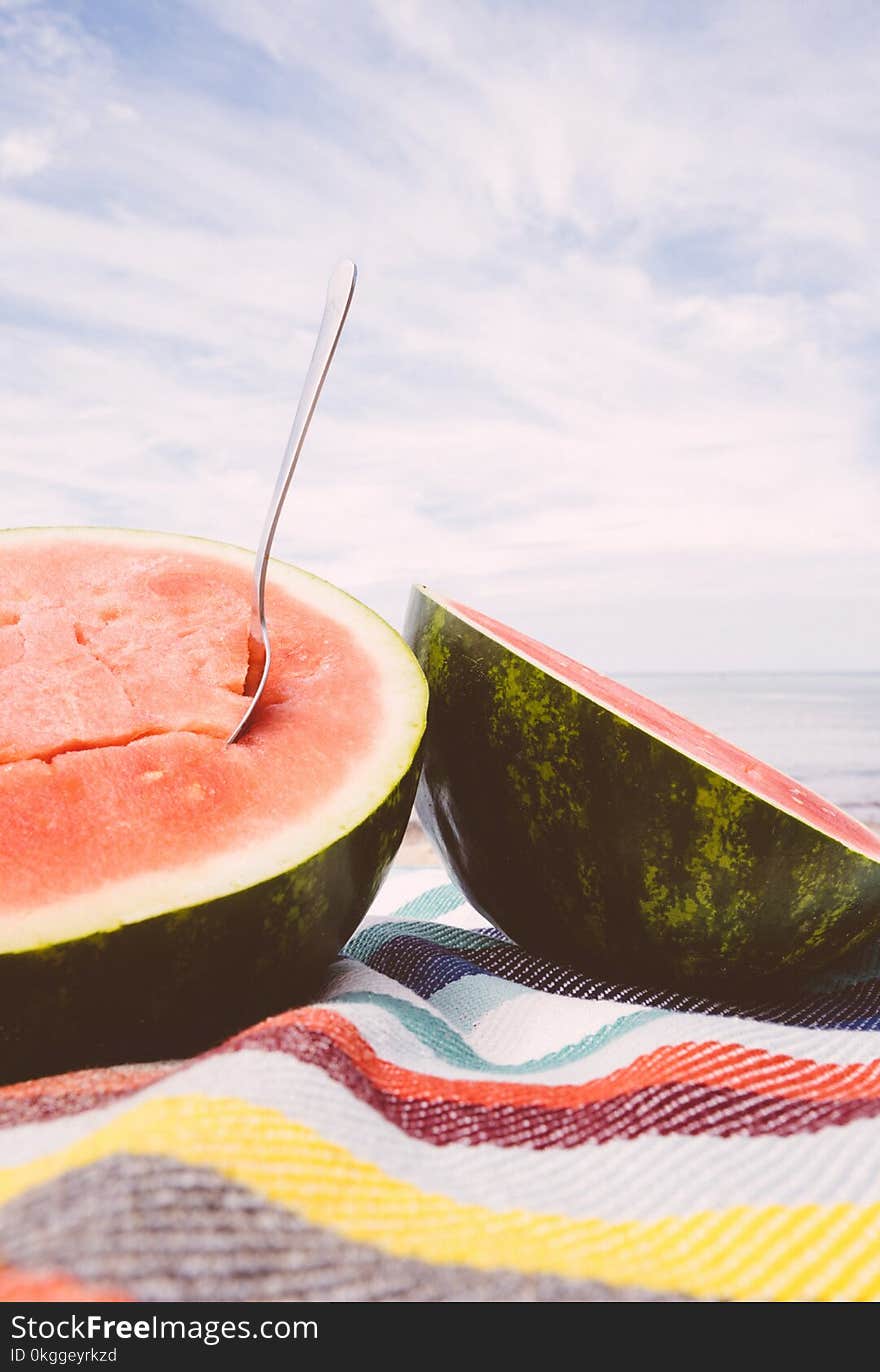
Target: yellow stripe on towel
774 1252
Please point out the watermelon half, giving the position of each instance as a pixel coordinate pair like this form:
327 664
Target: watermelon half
600 829
158 888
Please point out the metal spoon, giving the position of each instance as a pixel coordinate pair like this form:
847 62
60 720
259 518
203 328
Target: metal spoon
339 293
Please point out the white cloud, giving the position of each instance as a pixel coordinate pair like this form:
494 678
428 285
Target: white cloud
608 367
23 153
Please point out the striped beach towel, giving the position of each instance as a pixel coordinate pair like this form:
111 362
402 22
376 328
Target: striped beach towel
457 1120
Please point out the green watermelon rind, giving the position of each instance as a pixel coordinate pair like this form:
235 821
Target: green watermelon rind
591 842
177 983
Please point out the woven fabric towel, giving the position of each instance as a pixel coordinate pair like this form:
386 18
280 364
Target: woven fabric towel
458 1120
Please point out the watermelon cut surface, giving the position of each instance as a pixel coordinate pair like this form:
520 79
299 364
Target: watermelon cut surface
158 887
599 828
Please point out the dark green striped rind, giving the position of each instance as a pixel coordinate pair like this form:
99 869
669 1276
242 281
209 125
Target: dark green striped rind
591 842
174 984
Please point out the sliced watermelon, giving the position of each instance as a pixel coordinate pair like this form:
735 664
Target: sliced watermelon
157 887
602 830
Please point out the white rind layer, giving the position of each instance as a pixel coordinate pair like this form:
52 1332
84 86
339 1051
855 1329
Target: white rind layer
401 687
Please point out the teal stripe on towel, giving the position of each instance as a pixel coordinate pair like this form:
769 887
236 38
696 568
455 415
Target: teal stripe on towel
445 1043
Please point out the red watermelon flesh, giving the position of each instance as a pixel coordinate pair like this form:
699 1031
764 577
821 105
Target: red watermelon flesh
691 739
122 664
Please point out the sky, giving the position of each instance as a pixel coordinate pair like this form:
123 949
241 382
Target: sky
611 369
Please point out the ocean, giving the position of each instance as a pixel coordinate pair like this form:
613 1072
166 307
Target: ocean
823 729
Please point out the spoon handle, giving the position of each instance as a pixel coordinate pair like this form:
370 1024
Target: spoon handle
339 293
